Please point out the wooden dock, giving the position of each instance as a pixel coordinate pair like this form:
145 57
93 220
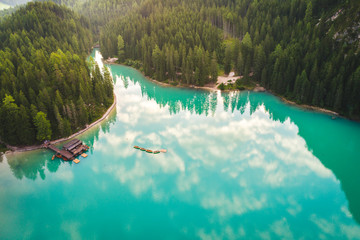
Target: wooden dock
70 150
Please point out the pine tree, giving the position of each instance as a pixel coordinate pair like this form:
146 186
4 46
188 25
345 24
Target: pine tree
23 127
82 112
227 60
260 60
43 127
308 12
59 121
214 68
120 47
9 114
239 66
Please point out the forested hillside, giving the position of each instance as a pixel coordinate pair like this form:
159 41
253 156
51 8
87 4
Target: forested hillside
306 51
100 12
45 86
167 40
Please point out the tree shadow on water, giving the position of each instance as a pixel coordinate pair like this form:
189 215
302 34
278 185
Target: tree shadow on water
28 165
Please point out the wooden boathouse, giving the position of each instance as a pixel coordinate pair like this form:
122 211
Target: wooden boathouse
70 150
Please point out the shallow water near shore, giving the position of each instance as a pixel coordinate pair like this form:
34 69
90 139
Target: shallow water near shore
239 165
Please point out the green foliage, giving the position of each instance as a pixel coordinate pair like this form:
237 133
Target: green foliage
43 69
282 44
120 47
214 68
3 148
9 116
170 40
308 12
43 127
100 12
221 86
244 83
227 60
289 46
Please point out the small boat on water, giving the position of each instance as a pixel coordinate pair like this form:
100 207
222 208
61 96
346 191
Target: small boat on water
150 151
53 157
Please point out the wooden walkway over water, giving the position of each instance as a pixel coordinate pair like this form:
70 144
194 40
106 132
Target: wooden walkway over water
70 150
63 153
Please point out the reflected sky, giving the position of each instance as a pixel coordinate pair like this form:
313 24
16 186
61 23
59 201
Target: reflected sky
239 165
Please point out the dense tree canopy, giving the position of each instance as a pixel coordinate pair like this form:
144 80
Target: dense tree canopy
100 12
42 126
171 42
46 87
307 51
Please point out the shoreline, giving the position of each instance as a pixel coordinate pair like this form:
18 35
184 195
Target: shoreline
213 87
14 149
311 108
255 89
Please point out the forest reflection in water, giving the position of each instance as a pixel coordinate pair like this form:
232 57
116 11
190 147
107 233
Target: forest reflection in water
231 156
334 142
32 165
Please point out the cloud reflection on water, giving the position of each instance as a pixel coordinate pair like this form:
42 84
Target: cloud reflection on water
234 169
233 162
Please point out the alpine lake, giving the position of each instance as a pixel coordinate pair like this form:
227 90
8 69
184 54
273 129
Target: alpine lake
239 165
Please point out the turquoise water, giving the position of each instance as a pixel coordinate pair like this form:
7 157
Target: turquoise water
239 165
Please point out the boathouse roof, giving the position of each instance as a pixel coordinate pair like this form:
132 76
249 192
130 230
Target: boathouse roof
72 144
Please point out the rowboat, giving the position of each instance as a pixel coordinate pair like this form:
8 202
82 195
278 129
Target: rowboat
149 151
137 147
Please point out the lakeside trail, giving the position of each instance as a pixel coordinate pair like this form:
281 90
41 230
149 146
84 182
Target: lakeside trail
14 149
